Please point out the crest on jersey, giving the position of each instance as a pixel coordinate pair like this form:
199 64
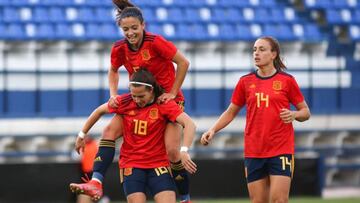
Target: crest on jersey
127 171
131 113
277 85
252 86
145 54
154 113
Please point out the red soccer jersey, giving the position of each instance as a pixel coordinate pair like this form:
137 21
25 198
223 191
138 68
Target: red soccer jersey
155 54
143 139
266 135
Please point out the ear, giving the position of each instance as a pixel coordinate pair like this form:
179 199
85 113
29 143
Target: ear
274 54
143 25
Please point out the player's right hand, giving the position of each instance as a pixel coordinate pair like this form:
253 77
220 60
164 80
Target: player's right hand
113 102
79 144
207 137
188 164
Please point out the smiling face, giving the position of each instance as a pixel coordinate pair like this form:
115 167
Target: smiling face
262 54
133 30
141 95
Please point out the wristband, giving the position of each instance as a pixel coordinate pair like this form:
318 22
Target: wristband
184 149
81 134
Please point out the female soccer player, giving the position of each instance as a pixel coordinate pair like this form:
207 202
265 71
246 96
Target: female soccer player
269 134
143 49
143 159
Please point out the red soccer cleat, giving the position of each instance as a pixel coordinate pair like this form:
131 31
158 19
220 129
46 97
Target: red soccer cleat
91 188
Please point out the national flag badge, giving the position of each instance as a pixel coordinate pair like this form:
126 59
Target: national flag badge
277 85
153 114
252 86
145 54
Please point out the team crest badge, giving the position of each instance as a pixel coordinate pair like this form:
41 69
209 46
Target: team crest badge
252 86
153 113
277 85
132 113
127 171
145 54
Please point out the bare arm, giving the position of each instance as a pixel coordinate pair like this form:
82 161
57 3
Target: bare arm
221 123
189 134
302 114
189 128
181 70
94 117
89 123
113 77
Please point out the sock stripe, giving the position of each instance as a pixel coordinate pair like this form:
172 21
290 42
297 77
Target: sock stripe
177 167
107 146
104 141
107 143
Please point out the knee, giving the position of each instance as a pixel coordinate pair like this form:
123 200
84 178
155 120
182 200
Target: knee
279 199
110 133
173 154
261 198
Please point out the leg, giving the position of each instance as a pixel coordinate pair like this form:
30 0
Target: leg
161 185
83 199
180 175
281 170
259 190
134 184
165 197
279 188
137 197
106 151
103 160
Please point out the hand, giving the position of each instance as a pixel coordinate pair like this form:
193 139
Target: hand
287 116
79 144
165 97
207 137
189 165
113 102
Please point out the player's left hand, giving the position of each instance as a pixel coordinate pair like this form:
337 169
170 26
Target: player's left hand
165 97
189 165
287 116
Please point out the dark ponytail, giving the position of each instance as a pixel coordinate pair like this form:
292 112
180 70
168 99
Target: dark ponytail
275 46
125 9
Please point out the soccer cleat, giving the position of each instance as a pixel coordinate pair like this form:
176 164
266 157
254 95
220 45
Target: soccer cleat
91 188
186 201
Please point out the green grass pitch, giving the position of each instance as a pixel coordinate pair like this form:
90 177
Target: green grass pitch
292 200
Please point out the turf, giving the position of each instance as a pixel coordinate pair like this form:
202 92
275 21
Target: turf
292 200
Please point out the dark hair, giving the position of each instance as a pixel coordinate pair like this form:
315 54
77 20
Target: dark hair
275 46
126 9
144 76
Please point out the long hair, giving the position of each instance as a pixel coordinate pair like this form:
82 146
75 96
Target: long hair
275 46
142 75
125 9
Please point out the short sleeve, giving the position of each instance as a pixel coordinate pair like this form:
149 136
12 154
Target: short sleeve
124 104
164 48
238 96
295 95
171 110
116 56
